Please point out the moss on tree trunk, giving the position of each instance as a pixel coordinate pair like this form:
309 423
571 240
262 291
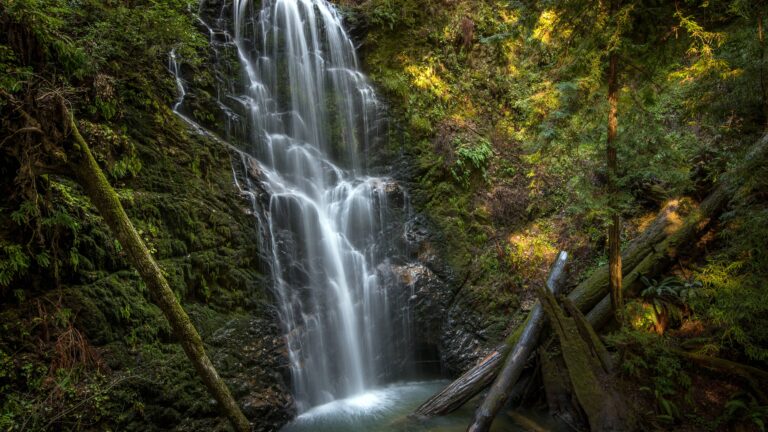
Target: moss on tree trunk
100 192
591 384
513 367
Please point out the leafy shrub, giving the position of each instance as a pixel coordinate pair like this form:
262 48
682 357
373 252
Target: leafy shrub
471 158
647 358
734 298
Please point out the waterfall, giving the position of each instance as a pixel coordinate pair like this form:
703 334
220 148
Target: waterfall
305 119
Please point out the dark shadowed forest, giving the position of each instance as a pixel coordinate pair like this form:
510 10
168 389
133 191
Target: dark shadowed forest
383 215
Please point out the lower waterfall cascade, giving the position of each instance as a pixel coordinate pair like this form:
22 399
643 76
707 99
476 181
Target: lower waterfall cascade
304 119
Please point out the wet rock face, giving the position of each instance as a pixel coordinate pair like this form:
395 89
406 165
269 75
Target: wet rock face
251 355
445 338
426 301
444 329
462 341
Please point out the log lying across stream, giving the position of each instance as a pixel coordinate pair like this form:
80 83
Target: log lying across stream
585 296
677 224
516 360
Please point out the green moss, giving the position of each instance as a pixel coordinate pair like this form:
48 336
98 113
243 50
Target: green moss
176 187
114 308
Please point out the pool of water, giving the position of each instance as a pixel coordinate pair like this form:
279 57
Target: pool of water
386 410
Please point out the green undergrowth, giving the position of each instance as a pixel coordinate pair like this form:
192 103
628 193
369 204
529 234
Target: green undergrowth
733 300
504 118
672 393
82 346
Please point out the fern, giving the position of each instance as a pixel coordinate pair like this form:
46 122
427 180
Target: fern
471 158
13 262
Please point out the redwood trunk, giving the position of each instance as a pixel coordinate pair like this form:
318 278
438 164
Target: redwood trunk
614 230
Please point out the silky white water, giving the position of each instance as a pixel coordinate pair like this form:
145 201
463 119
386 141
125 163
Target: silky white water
387 409
300 119
304 119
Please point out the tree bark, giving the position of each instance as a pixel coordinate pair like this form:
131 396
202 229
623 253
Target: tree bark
467 386
604 408
674 226
558 390
100 192
763 85
500 390
614 230
589 335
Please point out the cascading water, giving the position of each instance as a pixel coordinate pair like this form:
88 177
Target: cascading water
300 118
304 117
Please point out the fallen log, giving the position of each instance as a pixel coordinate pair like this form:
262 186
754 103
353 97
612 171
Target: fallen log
656 258
500 390
604 407
465 387
528 423
754 376
589 335
558 391
590 296
475 380
472 382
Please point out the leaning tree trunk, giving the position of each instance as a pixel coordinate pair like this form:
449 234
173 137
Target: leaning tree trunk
468 385
500 390
100 192
614 230
585 296
653 248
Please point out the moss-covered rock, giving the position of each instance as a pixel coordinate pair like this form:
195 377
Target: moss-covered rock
77 318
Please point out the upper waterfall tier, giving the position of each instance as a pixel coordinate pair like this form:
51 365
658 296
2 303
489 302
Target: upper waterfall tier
305 118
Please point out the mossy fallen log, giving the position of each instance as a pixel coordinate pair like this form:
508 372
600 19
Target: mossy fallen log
674 226
500 390
558 391
526 422
680 230
589 335
103 196
475 380
467 386
589 292
756 378
604 408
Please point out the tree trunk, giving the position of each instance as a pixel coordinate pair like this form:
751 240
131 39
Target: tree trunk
472 382
679 230
614 230
674 226
605 409
756 378
558 390
585 296
467 386
516 360
98 189
763 84
589 335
